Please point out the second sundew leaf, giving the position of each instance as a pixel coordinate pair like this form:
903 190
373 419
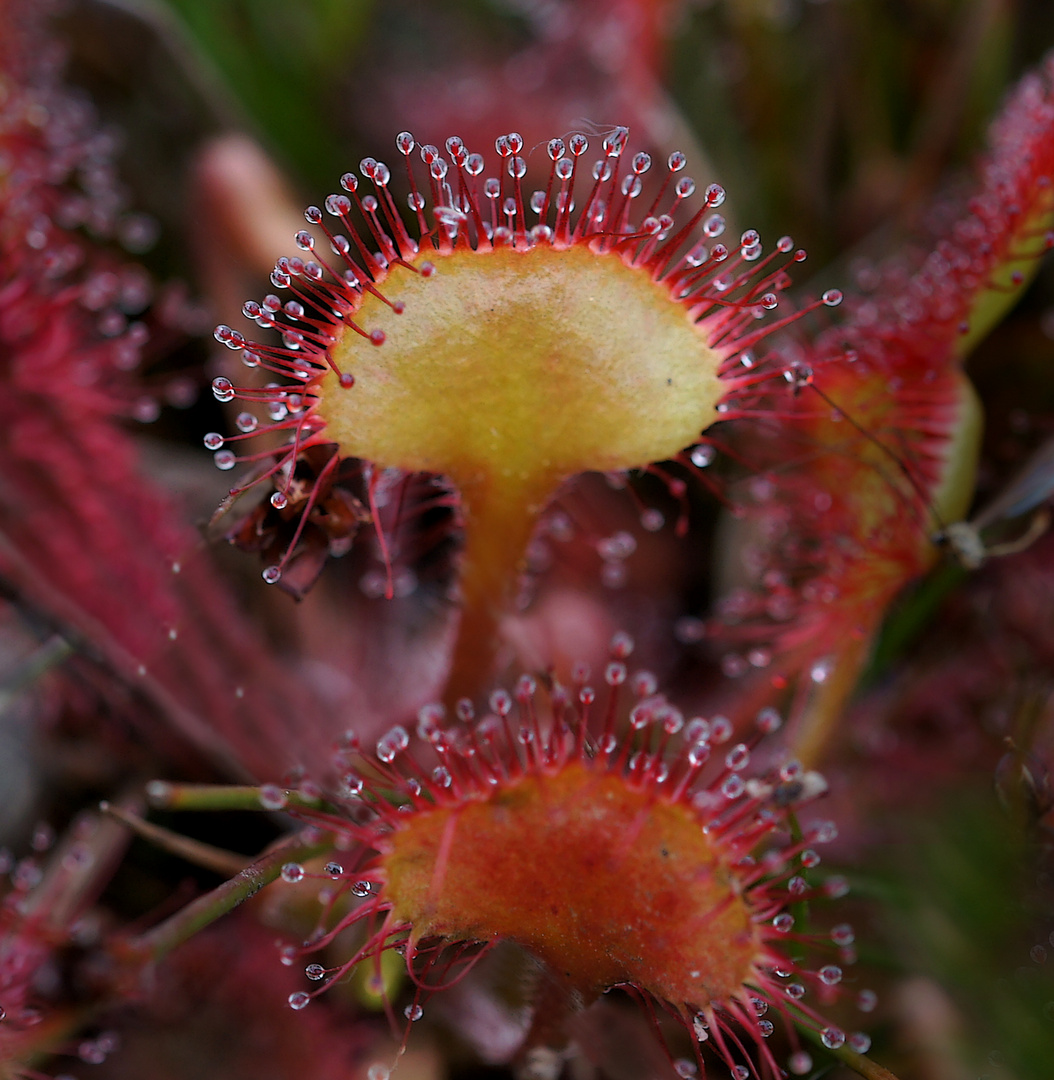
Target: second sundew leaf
668 873
893 430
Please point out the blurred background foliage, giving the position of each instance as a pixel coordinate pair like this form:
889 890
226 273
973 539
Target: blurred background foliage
832 115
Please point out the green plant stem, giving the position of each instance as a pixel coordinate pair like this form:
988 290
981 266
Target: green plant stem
161 940
826 703
213 858
863 1065
162 795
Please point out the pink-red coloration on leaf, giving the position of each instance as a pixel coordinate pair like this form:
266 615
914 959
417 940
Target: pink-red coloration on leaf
45 918
618 860
876 449
85 539
200 1022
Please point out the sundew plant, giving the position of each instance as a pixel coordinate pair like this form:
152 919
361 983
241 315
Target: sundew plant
524 539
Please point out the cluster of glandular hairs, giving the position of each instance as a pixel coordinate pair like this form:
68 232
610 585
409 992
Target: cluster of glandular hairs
725 288
42 904
617 841
877 454
25 949
56 293
917 314
85 539
913 321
